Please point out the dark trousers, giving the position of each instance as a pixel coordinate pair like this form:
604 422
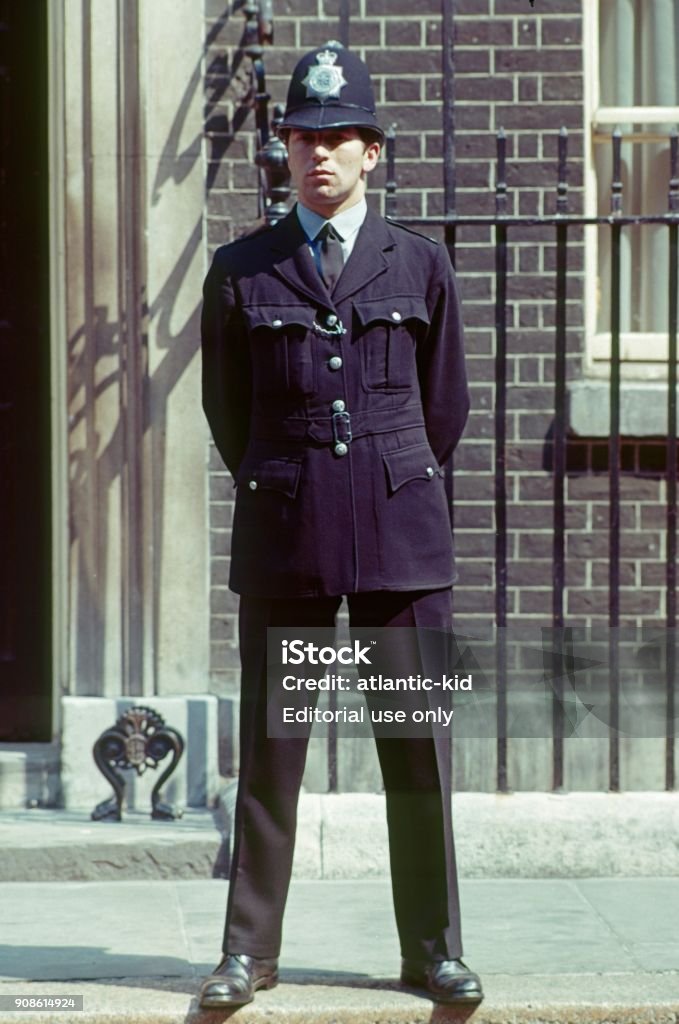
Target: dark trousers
416 774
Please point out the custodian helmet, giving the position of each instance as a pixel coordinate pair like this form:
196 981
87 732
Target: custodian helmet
331 88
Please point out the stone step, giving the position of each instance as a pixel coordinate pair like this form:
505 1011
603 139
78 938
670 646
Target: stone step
340 836
45 845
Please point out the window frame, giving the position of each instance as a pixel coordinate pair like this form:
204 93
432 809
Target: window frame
635 347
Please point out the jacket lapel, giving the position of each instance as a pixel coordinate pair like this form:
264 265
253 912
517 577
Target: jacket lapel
370 257
294 262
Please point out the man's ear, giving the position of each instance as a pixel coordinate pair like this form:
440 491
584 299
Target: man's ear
371 155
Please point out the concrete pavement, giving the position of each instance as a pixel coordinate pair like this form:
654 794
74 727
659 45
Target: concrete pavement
570 911
557 950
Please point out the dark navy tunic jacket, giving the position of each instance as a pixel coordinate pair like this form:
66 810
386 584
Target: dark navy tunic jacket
335 413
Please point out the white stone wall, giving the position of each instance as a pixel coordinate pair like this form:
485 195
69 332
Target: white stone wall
132 270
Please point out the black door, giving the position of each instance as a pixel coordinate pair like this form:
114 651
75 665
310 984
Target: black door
25 571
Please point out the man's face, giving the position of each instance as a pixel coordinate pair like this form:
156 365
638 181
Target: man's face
328 167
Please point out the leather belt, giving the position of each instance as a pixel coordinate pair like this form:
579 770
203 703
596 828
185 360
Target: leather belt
340 426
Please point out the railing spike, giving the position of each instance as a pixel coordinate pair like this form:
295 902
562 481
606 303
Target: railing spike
501 179
616 183
390 186
562 183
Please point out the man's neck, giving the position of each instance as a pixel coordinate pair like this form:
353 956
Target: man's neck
327 212
354 213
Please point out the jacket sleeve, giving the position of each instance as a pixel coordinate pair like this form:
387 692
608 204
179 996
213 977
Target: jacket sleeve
441 364
226 369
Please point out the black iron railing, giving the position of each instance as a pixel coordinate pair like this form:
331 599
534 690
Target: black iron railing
562 221
274 190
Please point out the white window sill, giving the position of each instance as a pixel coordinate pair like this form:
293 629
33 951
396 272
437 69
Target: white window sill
643 408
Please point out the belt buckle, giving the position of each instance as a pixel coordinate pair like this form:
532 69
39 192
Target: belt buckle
341 427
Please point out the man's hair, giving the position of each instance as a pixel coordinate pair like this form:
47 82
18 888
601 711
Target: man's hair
368 135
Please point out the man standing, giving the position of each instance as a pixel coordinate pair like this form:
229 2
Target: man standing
334 385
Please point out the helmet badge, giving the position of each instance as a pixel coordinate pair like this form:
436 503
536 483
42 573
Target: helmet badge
325 81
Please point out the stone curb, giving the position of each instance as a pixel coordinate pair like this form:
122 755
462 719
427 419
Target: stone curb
510 999
521 835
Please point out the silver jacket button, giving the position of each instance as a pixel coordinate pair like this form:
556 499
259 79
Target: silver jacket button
253 485
396 316
338 405
335 362
330 320
341 448
276 323
430 471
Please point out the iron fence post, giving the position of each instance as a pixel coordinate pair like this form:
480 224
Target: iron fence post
671 568
614 471
501 459
559 467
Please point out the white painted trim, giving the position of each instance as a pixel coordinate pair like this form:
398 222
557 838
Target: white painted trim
599 136
643 353
653 346
635 115
590 39
58 357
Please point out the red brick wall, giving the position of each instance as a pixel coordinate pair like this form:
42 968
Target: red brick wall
521 70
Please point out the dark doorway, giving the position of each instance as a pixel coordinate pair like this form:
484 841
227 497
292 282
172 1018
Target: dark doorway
25 549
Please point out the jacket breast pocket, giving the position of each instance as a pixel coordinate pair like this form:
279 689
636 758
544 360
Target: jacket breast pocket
282 350
388 332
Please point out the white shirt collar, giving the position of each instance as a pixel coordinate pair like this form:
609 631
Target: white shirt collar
346 223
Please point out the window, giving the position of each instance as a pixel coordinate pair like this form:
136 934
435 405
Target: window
632 82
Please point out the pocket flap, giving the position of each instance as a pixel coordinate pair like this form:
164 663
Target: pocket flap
280 475
278 317
392 309
414 463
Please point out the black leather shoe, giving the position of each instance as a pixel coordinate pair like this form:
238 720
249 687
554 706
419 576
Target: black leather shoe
236 980
447 981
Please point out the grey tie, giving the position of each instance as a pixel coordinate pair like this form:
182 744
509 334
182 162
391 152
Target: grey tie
331 255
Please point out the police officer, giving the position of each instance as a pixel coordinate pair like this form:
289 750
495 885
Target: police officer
334 384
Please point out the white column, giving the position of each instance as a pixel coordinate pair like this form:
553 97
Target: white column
132 272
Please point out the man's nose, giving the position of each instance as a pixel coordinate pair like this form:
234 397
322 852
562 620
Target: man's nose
320 146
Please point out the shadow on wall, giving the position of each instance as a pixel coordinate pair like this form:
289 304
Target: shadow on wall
224 118
116 405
